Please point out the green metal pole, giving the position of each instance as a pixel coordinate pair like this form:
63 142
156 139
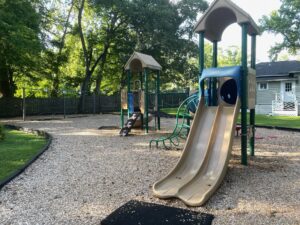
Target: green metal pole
244 96
201 61
146 100
128 90
158 98
252 111
141 79
122 118
214 64
142 116
188 122
253 51
24 104
209 91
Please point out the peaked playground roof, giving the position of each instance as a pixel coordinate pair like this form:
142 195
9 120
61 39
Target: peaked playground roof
138 61
220 15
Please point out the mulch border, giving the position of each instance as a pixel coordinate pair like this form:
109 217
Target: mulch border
35 157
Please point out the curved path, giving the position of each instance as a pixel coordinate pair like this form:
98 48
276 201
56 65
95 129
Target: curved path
87 173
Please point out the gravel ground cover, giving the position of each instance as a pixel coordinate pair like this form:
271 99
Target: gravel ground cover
87 173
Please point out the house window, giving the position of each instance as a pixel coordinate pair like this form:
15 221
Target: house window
263 86
288 87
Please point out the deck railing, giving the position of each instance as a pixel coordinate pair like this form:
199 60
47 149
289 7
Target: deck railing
282 106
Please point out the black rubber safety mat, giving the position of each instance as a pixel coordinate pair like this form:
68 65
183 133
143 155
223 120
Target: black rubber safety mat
142 213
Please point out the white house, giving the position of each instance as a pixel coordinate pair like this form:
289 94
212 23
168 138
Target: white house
278 88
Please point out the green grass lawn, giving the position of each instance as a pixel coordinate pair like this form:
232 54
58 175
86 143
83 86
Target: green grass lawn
263 120
279 121
170 111
16 149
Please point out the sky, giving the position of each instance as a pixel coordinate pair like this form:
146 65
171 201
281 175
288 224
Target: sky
256 9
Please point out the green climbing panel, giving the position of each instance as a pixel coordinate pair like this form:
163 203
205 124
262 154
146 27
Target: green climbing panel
183 117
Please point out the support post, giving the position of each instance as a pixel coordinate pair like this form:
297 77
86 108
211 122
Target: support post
214 64
252 111
188 122
122 117
142 88
128 91
94 103
24 104
209 91
64 97
201 61
244 97
141 79
158 98
146 100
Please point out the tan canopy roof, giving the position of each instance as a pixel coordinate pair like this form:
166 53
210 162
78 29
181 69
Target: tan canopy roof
221 14
138 61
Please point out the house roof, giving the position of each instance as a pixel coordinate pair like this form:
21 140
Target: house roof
219 15
277 70
138 61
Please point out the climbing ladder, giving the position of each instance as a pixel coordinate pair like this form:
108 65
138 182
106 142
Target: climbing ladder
182 127
129 124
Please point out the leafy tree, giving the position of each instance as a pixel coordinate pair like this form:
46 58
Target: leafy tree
73 70
72 43
116 39
286 22
19 41
163 29
96 36
110 30
230 56
56 55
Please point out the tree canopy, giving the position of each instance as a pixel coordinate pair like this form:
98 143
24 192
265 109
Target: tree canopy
286 22
81 46
20 43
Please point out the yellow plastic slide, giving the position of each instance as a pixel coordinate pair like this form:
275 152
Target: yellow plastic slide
205 157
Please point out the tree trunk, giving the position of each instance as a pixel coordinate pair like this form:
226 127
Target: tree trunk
98 84
55 85
100 73
7 85
90 66
5 89
84 91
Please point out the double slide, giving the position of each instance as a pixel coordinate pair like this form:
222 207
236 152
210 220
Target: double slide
204 161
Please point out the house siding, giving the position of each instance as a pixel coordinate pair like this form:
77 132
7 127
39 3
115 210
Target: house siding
297 88
275 73
263 109
264 98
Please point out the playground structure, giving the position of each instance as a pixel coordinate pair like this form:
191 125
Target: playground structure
204 161
140 66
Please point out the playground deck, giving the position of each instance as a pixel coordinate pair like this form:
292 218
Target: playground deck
87 173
